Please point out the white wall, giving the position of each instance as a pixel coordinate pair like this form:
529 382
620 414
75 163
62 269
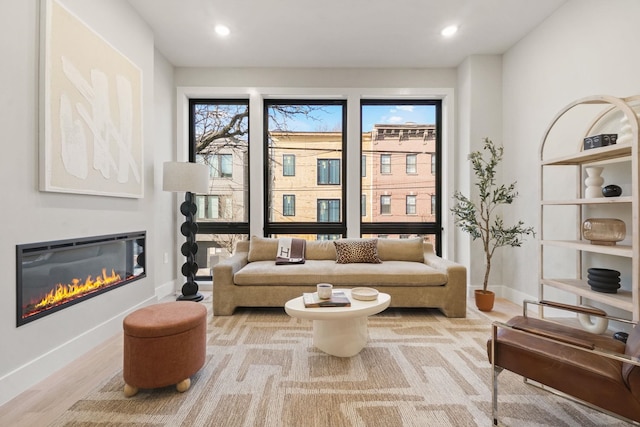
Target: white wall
33 351
587 47
479 116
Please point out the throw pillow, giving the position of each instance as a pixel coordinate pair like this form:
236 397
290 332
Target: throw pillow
262 249
358 250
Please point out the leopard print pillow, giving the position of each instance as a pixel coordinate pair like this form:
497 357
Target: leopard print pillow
351 251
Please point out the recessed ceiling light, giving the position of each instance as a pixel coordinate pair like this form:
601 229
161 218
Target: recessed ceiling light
222 30
449 31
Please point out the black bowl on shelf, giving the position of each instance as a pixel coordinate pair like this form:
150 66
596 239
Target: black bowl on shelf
605 286
603 272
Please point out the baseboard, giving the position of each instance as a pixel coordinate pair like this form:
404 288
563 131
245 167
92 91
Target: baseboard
36 370
166 289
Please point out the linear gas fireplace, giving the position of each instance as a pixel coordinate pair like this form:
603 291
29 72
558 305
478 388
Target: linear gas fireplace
55 275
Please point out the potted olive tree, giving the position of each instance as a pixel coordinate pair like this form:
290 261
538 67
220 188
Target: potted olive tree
480 219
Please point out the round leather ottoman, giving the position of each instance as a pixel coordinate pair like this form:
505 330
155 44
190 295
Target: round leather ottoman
164 344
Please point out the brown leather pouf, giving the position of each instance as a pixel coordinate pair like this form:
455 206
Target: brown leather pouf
164 344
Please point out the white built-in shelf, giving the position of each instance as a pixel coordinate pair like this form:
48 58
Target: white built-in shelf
616 151
594 201
623 299
587 246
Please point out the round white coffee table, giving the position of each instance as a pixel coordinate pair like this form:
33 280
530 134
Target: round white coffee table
339 331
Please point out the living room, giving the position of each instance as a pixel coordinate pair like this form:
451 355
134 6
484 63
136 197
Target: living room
585 47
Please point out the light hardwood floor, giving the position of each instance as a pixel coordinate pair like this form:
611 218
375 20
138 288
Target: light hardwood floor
47 400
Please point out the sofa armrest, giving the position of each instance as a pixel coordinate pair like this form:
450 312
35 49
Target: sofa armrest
453 301
456 273
223 272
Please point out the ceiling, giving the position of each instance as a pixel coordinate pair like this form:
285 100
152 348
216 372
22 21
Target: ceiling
337 33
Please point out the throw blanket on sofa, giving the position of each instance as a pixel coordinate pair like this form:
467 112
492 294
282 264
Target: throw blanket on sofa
290 251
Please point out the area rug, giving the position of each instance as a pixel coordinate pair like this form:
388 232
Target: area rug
418 369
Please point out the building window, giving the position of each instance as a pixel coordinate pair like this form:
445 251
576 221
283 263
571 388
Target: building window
363 166
433 164
433 203
411 205
412 164
329 171
288 165
385 205
221 166
328 210
214 207
363 205
385 164
289 205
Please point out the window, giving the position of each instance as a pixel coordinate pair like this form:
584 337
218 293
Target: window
385 205
305 139
219 138
393 132
329 171
289 205
385 163
412 164
363 165
221 166
214 207
363 205
288 165
411 205
328 210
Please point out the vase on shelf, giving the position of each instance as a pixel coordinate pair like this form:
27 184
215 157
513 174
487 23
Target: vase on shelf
593 182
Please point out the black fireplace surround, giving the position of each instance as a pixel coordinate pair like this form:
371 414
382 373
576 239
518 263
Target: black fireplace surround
51 276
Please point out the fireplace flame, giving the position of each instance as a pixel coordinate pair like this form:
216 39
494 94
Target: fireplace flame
64 292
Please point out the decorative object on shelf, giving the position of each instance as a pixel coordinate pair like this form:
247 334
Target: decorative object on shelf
611 190
593 182
190 178
603 231
626 131
603 280
479 218
602 140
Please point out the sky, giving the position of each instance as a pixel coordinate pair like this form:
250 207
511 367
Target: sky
329 119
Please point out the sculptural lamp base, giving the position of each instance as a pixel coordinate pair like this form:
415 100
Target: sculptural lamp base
189 249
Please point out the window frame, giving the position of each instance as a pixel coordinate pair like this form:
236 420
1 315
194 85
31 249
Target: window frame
272 228
434 228
223 227
285 165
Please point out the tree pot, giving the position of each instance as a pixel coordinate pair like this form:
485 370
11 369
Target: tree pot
484 299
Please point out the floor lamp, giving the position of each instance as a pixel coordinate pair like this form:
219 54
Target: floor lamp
189 178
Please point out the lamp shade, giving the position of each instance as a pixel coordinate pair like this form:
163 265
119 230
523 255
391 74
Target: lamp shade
185 176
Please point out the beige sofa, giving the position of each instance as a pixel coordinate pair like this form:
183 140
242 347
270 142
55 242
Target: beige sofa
409 271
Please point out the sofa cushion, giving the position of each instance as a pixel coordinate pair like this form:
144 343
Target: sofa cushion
356 250
401 249
321 250
262 249
389 273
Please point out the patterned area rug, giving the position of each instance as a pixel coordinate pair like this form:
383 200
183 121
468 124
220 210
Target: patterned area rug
419 369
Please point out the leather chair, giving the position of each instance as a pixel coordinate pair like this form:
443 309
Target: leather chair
596 370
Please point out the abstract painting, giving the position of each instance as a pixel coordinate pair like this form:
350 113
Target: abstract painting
91 111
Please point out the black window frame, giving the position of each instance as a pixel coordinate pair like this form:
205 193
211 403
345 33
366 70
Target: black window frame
285 206
317 228
208 227
424 228
284 164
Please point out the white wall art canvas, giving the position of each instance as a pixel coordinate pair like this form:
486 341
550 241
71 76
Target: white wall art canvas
91 111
